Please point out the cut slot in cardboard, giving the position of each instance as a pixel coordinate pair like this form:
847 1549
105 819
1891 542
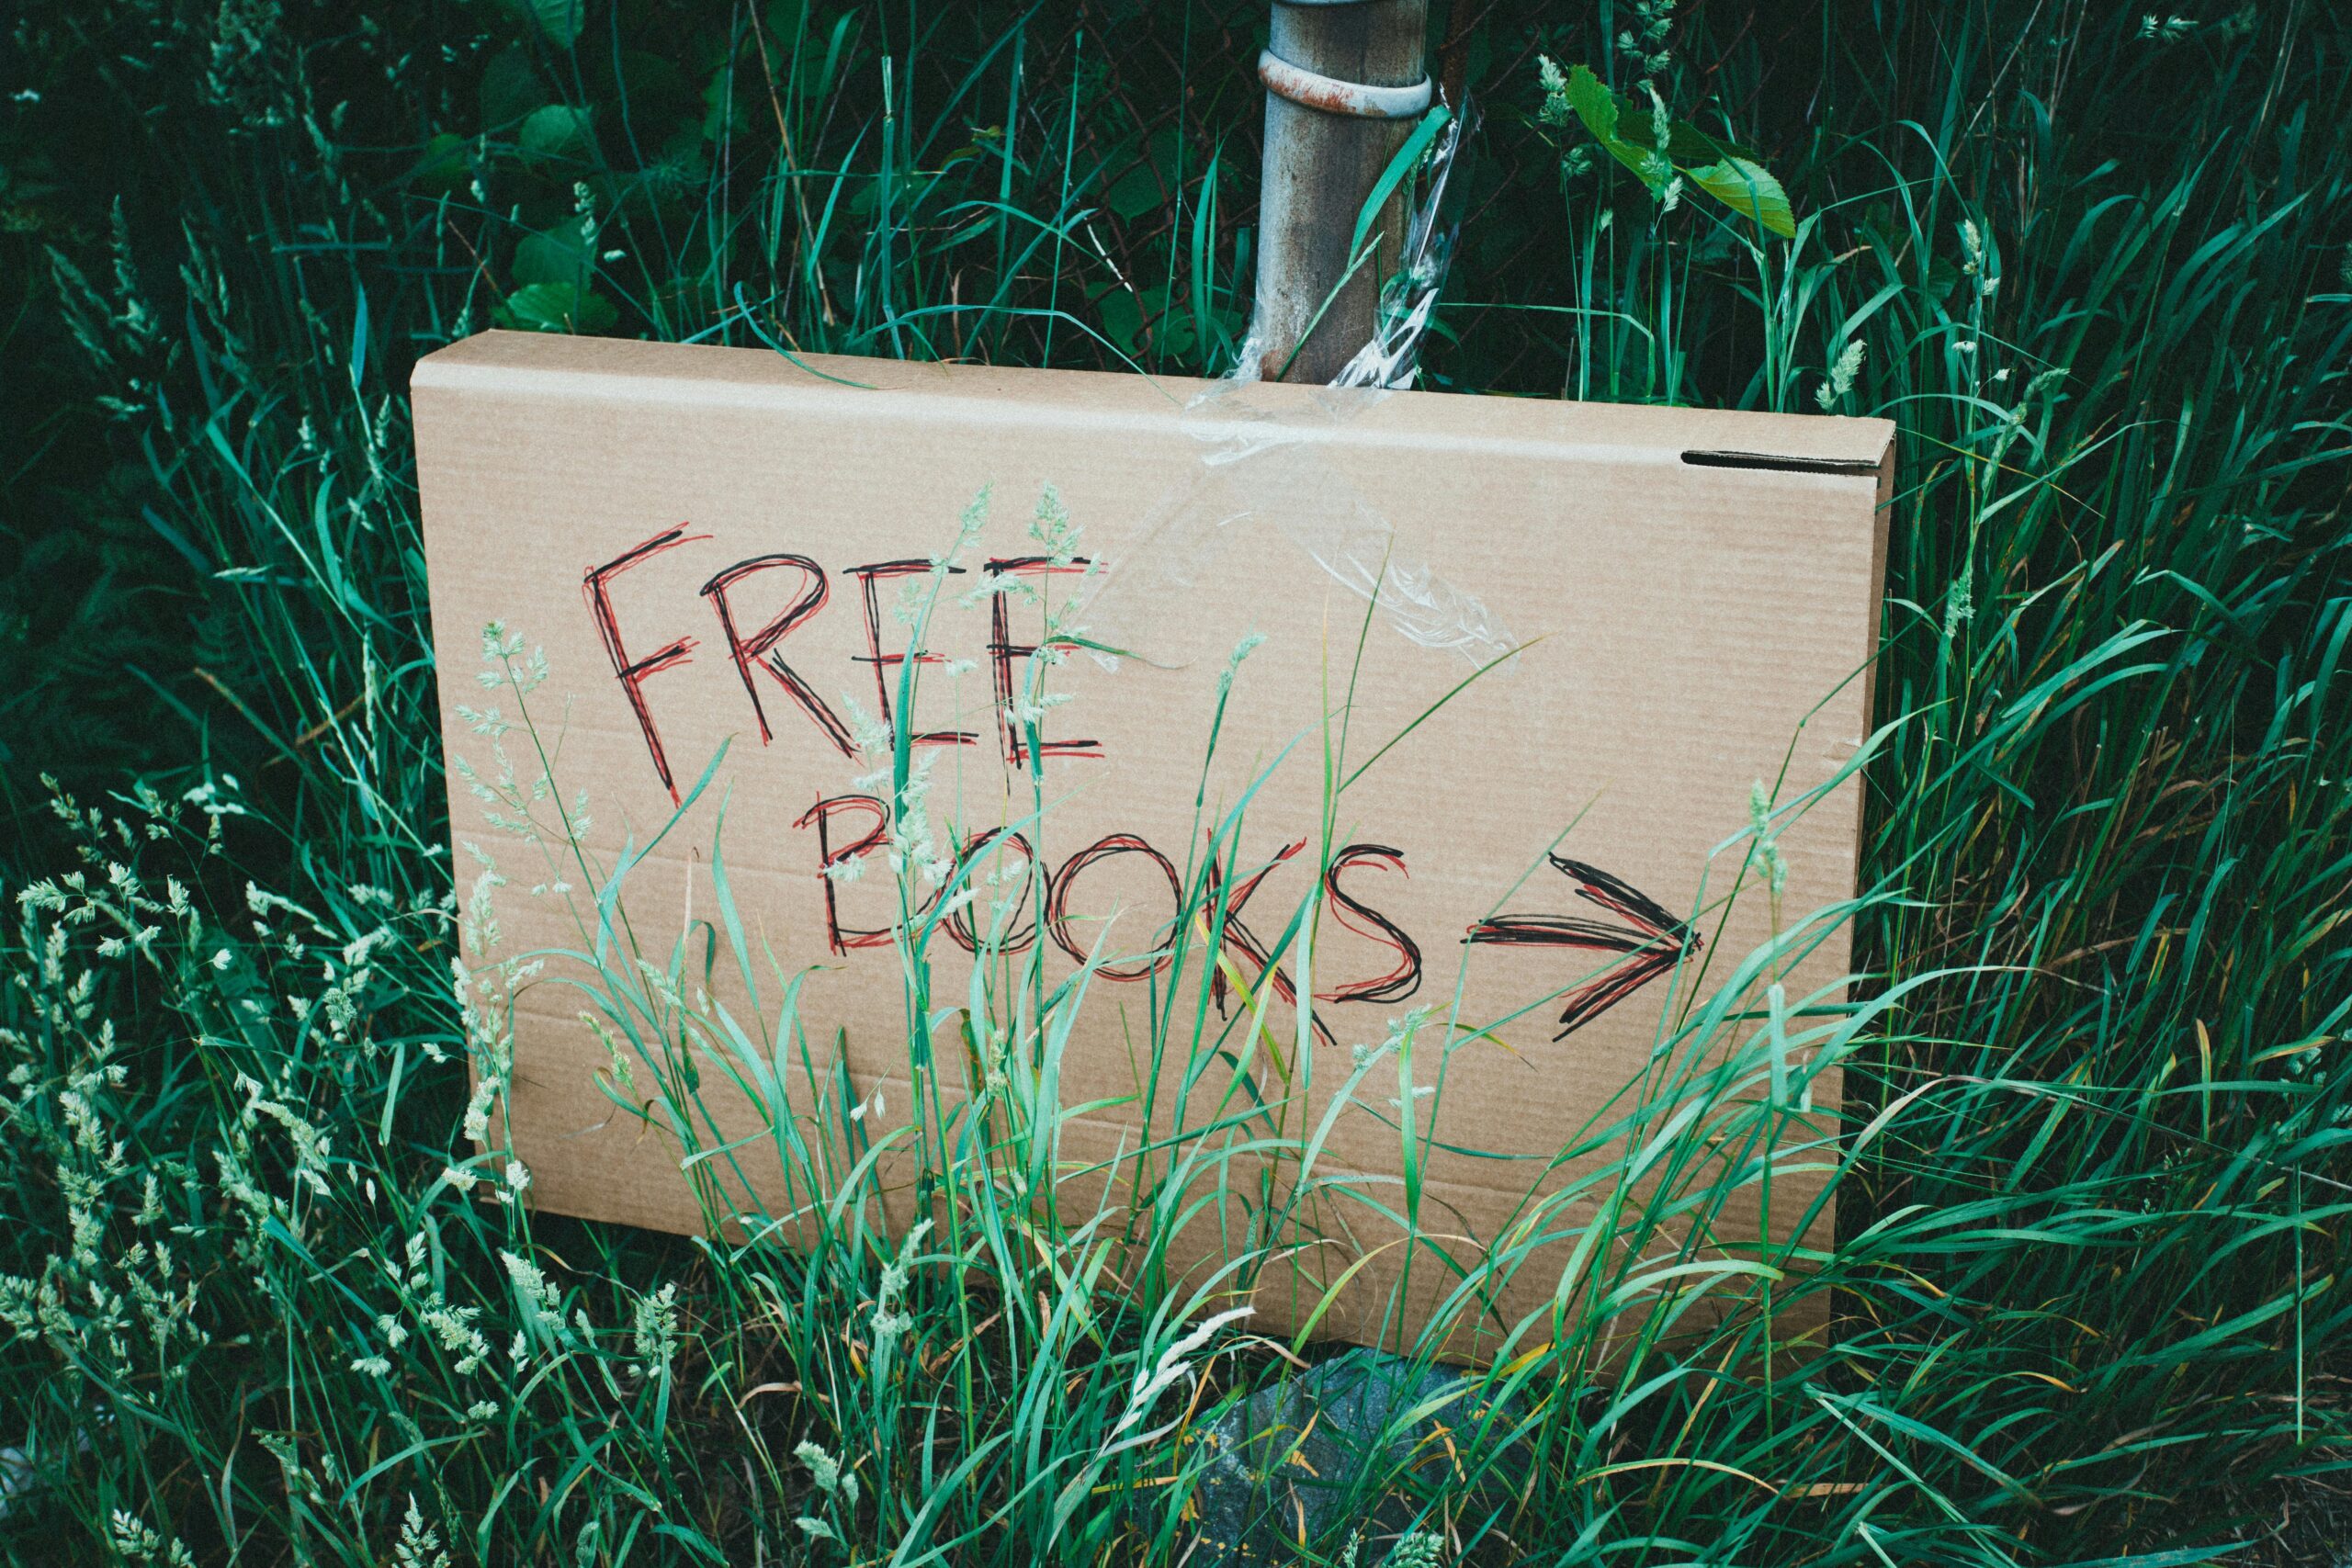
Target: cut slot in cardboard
713 547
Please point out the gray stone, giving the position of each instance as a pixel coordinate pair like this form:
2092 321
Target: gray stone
1290 1463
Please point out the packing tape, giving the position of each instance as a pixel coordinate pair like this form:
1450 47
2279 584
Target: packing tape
1263 467
1260 470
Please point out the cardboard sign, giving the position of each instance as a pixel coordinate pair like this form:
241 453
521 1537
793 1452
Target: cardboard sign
716 550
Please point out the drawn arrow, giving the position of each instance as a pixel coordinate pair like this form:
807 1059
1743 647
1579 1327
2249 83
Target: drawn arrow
1653 940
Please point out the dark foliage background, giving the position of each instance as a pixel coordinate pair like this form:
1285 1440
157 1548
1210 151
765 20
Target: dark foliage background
2096 262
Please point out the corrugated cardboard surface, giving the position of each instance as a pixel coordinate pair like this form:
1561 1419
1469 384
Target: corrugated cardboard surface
1692 627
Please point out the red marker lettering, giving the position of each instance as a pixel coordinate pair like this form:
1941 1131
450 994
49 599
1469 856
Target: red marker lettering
821 816
633 674
1352 912
1008 658
1019 938
885 662
759 646
1057 900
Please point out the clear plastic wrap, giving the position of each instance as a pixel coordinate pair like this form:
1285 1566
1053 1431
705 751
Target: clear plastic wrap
1264 464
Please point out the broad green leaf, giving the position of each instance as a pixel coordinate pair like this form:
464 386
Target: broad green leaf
1594 103
1688 144
559 256
1599 108
1748 189
559 19
1137 192
1140 189
1122 318
511 87
556 308
1685 143
557 130
442 165
1629 131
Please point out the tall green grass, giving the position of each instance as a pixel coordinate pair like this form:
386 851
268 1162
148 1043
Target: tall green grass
2084 1297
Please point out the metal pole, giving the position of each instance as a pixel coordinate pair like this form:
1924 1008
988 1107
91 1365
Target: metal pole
1345 80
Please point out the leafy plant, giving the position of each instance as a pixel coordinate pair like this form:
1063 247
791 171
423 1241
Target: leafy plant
1664 152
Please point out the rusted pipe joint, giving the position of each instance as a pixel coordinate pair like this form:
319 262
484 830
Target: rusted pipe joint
1314 90
1344 80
